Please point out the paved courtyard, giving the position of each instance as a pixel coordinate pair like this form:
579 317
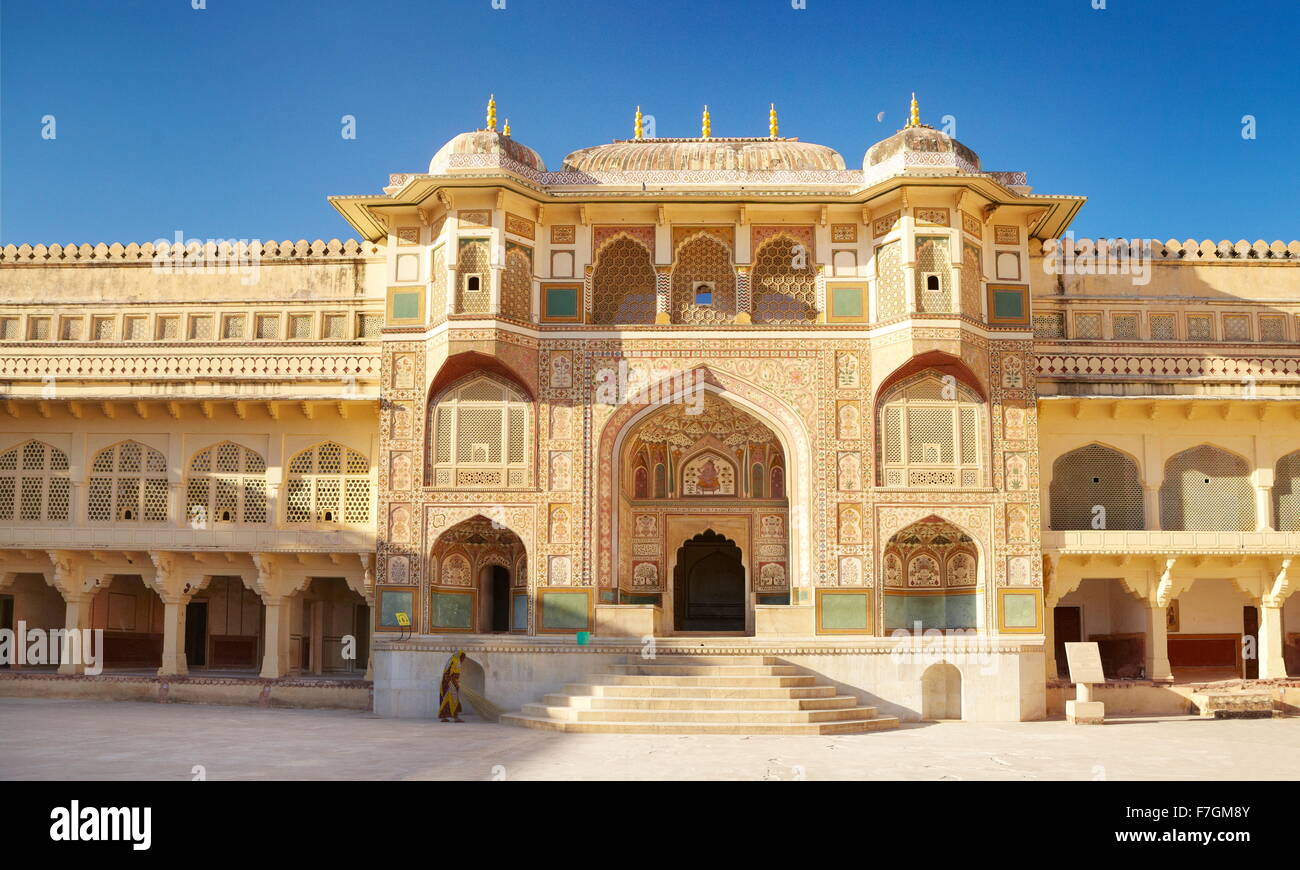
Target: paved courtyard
60 739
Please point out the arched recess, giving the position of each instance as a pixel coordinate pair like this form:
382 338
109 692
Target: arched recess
785 424
1207 489
1091 477
932 431
473 562
933 577
481 434
974 523
941 692
1286 493
623 281
703 257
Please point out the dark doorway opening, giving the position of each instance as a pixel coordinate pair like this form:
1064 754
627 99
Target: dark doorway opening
1067 627
1250 629
500 589
6 619
709 585
196 634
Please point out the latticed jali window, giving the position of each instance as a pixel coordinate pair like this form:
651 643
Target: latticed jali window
891 297
517 283
1096 487
128 483
972 273
704 259
34 484
1207 489
329 483
226 484
479 436
438 286
473 278
929 434
783 283
933 275
623 284
1286 493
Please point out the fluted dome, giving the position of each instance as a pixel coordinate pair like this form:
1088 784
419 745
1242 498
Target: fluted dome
702 155
485 142
918 147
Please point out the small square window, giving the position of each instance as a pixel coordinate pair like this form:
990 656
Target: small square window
300 326
201 327
335 326
8 328
268 326
136 329
70 329
38 329
703 291
232 327
103 329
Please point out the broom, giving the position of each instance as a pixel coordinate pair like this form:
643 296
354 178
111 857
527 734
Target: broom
485 708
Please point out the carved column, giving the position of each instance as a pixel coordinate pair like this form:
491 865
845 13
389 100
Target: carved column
1157 651
744 296
663 294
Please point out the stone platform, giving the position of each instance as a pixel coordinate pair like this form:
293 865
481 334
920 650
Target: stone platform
325 692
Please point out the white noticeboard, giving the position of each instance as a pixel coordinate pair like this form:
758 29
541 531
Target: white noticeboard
1084 660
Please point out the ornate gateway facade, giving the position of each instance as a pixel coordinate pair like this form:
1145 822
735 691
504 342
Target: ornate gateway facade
713 396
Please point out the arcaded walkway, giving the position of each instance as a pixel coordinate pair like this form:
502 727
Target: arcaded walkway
51 739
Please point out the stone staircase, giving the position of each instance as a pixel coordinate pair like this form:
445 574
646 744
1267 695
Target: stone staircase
682 694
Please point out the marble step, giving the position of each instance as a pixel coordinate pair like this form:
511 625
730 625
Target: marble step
675 691
846 726
712 680
678 670
694 702
757 717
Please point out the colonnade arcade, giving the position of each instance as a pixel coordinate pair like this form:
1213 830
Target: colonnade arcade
270 614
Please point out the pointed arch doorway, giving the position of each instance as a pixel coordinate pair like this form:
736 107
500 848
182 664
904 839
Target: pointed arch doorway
709 590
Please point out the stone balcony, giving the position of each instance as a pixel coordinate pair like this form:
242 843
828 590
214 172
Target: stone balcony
1156 542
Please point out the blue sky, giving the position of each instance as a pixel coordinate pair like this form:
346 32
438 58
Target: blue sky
225 122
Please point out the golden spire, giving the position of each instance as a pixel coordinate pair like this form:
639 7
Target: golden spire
636 126
505 131
915 119
492 112
771 122
706 128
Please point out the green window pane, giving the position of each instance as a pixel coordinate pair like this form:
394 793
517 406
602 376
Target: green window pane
844 612
564 610
1009 304
1020 610
392 603
561 302
406 306
519 615
846 302
453 610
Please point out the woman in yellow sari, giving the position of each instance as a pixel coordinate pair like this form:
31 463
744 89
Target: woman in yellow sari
449 691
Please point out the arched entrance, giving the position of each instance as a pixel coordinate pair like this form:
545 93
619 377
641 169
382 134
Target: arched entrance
709 585
478 579
931 578
941 692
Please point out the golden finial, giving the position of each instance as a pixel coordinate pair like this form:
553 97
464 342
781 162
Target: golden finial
492 112
915 119
706 128
505 131
636 126
771 122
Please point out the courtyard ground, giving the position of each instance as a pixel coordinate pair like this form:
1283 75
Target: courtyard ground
70 739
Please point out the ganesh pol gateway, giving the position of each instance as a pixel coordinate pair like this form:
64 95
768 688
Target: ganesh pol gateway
718 434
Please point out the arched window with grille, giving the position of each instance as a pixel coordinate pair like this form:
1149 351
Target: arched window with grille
128 484
623 283
226 483
34 484
479 435
784 282
1096 487
930 434
1207 489
328 483
1286 493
